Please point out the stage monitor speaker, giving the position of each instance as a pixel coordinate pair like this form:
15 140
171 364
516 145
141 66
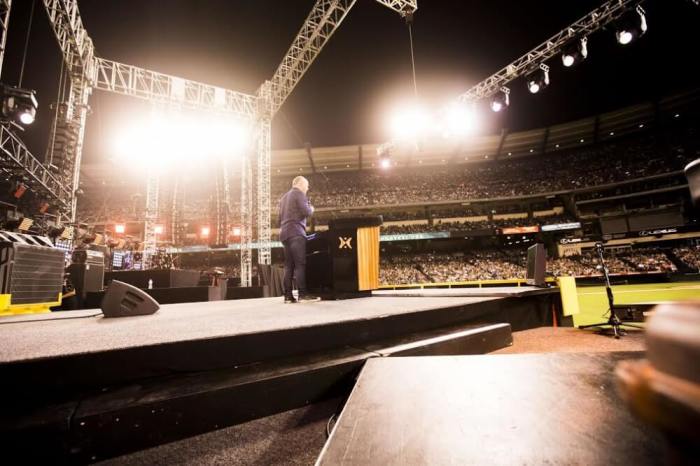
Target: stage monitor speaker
124 300
536 263
692 172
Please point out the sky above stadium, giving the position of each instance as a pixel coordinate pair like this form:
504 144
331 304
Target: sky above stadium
365 69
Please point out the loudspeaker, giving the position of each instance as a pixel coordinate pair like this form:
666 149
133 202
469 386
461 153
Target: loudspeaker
536 264
692 172
124 300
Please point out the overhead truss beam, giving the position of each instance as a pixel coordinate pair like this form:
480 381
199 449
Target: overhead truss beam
322 22
593 21
402 7
131 80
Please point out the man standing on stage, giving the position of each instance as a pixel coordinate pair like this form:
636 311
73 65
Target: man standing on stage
294 208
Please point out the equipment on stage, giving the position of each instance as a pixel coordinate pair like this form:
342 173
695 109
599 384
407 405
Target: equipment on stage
87 272
124 300
536 264
614 322
343 262
31 274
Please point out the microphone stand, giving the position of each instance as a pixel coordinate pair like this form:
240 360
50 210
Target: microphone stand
614 322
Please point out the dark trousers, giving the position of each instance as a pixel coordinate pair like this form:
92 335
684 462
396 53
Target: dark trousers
294 264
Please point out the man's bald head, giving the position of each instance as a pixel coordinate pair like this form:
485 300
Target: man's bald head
301 183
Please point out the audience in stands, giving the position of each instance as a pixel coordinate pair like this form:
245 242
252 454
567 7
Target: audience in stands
510 264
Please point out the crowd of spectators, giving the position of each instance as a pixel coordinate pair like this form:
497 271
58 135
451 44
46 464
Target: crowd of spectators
511 264
690 256
566 170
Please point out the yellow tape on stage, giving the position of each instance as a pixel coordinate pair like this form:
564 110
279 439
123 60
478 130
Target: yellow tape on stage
569 296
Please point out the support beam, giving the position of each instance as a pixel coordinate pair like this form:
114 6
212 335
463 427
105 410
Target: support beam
5 8
307 146
322 22
403 7
119 78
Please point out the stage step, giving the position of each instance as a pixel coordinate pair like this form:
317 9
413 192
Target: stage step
124 419
559 408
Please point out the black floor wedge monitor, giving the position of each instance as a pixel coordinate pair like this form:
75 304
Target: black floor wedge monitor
124 300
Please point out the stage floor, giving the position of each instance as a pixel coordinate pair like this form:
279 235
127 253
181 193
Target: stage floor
78 332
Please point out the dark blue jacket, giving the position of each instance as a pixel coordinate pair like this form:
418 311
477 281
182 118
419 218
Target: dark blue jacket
294 208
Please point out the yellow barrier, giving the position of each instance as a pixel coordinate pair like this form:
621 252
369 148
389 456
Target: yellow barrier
569 297
9 309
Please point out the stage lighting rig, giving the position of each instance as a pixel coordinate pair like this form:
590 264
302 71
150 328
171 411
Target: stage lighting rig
575 52
500 100
538 80
384 153
18 105
632 26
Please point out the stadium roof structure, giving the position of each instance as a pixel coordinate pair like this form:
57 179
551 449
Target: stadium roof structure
586 131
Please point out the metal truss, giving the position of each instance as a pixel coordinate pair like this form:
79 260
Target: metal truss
403 7
72 37
149 236
593 21
263 136
222 213
66 147
246 219
324 19
18 161
5 7
131 80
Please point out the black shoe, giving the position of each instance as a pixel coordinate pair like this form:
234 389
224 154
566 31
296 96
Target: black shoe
289 300
308 298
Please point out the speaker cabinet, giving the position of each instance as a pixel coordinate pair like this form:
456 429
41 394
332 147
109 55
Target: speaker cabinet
536 264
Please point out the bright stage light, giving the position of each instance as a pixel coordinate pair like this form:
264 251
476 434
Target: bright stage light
459 120
119 228
575 52
27 117
204 232
385 163
18 104
158 229
500 100
631 26
538 80
409 123
163 139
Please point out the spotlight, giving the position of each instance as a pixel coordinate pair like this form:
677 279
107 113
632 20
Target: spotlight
575 52
500 100
19 104
633 25
119 228
538 80
204 232
384 153
409 123
158 229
